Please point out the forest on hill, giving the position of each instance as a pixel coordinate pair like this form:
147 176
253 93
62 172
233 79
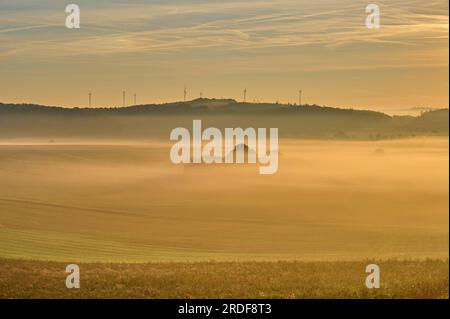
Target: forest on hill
156 121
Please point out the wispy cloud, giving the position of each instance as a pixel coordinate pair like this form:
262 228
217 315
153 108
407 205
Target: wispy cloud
146 27
225 39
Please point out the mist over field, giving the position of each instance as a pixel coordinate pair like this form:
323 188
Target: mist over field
126 202
97 187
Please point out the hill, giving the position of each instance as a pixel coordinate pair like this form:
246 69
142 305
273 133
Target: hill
153 121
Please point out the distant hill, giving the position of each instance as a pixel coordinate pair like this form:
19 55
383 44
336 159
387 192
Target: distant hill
202 106
150 121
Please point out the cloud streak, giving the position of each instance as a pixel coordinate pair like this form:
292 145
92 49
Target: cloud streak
228 40
148 28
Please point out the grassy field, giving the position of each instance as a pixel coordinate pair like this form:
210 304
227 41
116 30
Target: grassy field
399 279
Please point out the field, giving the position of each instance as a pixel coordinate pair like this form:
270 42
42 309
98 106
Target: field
225 230
129 203
400 279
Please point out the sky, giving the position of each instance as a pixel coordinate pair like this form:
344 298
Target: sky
272 48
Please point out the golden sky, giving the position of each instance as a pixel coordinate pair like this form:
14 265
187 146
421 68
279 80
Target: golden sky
273 48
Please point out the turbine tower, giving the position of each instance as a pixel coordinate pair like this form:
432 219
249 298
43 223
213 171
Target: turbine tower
90 99
123 97
300 98
135 99
185 93
245 95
